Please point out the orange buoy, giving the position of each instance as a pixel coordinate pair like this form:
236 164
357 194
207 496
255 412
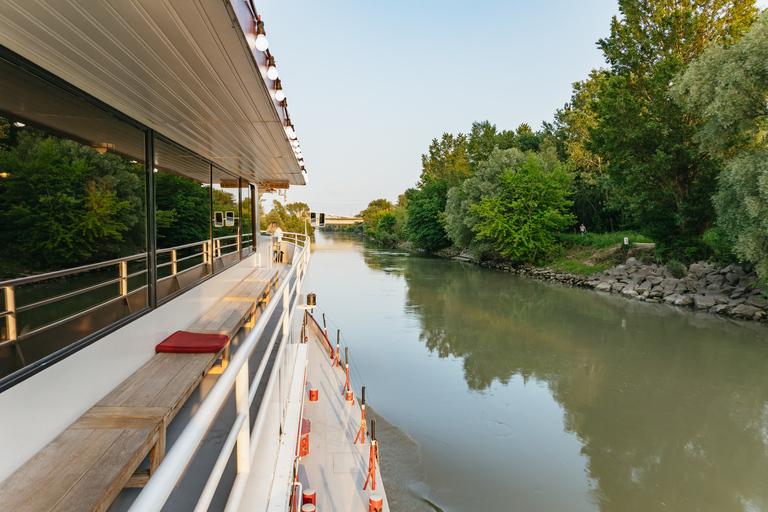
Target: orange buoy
350 396
308 507
375 503
309 496
313 395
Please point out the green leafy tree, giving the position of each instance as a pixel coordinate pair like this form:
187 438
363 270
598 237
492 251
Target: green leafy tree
446 160
425 210
373 213
728 87
526 139
572 128
183 210
483 138
59 208
523 221
658 175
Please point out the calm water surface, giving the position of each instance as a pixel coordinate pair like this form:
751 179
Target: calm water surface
495 392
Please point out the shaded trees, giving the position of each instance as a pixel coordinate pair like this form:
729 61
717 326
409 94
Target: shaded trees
728 87
660 180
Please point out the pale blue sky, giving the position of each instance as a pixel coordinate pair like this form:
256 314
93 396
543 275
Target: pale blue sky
370 84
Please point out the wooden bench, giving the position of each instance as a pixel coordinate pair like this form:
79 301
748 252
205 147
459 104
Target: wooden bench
255 288
88 464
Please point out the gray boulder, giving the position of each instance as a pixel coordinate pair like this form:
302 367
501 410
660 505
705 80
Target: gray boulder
703 302
745 311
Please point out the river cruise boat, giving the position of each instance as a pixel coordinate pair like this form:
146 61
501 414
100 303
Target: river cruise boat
157 351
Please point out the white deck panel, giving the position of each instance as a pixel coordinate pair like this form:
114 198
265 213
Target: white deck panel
335 467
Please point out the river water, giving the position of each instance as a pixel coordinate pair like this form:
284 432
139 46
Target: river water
496 392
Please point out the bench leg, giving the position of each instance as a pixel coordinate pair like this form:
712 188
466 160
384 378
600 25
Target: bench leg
156 454
218 369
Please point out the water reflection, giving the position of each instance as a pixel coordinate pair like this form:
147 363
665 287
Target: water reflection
671 407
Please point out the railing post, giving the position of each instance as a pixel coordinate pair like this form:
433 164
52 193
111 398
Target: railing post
244 436
10 319
218 248
205 253
174 268
123 266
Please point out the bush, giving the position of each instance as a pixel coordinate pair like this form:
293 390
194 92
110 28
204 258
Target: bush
676 268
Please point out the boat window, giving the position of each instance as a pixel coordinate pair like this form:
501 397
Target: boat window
73 209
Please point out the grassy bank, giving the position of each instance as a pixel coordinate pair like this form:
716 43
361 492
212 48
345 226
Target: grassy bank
591 253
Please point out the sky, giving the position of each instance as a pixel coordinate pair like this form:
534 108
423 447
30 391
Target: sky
370 84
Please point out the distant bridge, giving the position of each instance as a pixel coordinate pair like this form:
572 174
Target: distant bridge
340 220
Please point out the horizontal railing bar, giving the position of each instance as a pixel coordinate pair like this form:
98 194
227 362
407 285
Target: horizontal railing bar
218 468
51 275
178 458
185 258
180 247
57 323
66 295
140 272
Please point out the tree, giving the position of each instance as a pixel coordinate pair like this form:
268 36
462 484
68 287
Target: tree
373 214
483 138
659 177
425 211
728 87
485 183
446 160
183 210
572 128
523 220
526 140
61 204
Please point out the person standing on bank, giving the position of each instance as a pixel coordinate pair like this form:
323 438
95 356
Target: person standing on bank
582 229
277 239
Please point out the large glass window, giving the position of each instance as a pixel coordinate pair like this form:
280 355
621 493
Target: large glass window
73 209
75 254
183 202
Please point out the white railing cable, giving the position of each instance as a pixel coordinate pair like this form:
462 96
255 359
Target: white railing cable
169 473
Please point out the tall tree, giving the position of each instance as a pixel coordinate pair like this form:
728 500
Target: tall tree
483 138
447 160
523 220
659 177
572 127
728 87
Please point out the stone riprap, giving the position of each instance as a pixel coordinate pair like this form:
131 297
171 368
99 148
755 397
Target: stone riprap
728 291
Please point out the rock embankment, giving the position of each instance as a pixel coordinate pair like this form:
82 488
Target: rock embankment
728 291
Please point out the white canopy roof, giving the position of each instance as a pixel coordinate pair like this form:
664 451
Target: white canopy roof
182 68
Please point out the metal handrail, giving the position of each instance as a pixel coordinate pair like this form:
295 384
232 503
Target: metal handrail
169 473
9 315
76 270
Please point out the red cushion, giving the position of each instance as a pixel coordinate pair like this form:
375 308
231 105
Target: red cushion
192 343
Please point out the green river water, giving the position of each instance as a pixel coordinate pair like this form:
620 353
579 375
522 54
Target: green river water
496 392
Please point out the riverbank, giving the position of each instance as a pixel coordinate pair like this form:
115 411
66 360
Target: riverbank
729 291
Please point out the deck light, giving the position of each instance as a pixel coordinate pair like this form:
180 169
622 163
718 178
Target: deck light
311 300
271 69
279 94
289 129
261 37
18 124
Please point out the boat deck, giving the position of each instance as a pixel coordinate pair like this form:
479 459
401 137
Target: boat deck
186 494
335 467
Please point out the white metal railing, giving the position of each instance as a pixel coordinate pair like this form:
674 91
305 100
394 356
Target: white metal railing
171 470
